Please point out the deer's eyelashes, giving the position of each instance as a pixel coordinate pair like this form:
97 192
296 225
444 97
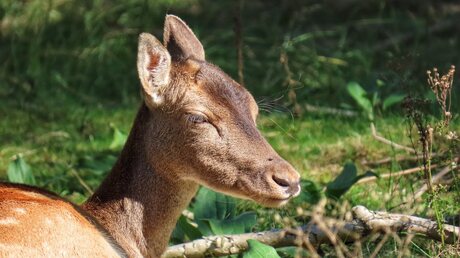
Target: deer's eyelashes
201 119
197 118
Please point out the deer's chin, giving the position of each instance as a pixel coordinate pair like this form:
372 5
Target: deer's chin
272 202
264 200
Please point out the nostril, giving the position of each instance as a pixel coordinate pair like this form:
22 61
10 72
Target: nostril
281 181
270 159
294 189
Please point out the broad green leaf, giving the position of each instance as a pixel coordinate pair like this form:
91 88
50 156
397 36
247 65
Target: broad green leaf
392 100
184 231
310 193
211 205
360 96
118 139
292 251
20 172
347 178
237 225
259 250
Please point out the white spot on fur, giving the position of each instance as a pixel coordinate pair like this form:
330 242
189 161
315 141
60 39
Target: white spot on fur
156 98
48 222
21 211
9 221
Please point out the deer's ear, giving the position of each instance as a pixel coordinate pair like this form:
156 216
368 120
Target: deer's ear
180 40
153 67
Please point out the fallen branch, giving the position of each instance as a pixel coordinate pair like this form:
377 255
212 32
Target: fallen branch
386 141
395 174
382 221
365 222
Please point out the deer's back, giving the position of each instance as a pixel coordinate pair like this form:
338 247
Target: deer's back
35 223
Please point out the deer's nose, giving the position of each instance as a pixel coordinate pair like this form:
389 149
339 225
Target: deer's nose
291 186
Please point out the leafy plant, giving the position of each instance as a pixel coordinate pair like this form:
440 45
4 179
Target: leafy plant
369 103
214 214
310 193
345 180
259 250
118 138
185 231
20 172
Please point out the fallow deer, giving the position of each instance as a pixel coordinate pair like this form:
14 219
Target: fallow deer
195 126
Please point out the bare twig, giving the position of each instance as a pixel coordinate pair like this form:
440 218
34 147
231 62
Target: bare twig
435 180
396 159
365 222
386 141
81 181
395 174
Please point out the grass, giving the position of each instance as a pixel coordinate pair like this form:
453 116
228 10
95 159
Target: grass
68 82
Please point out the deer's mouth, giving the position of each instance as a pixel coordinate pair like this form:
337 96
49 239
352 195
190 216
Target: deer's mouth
271 197
272 202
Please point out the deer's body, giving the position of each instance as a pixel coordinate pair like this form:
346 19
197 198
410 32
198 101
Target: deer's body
35 223
196 126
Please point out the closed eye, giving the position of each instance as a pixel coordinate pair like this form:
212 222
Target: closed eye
197 118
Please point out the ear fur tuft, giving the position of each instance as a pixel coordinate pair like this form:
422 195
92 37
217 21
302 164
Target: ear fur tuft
153 66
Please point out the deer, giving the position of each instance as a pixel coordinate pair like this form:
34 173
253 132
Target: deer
195 126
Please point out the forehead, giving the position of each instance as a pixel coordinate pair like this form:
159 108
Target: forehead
223 90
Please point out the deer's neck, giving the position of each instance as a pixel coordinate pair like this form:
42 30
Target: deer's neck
137 205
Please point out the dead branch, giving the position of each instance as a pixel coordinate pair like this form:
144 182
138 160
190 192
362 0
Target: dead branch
395 174
365 223
386 141
397 159
378 221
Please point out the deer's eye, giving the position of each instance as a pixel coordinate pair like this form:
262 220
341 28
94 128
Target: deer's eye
197 118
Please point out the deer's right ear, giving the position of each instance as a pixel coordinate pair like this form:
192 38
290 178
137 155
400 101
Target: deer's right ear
153 67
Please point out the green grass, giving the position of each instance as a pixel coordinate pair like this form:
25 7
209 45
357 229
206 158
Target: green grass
68 80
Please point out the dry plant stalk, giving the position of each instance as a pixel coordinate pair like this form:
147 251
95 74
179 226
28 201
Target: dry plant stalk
442 88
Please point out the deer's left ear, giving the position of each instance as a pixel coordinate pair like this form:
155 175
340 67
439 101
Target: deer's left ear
153 67
180 41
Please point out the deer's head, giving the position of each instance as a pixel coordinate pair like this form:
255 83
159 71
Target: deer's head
202 124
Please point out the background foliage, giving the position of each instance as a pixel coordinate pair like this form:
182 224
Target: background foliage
69 91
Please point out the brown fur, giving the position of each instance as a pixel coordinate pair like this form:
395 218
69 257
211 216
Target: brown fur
196 126
37 223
